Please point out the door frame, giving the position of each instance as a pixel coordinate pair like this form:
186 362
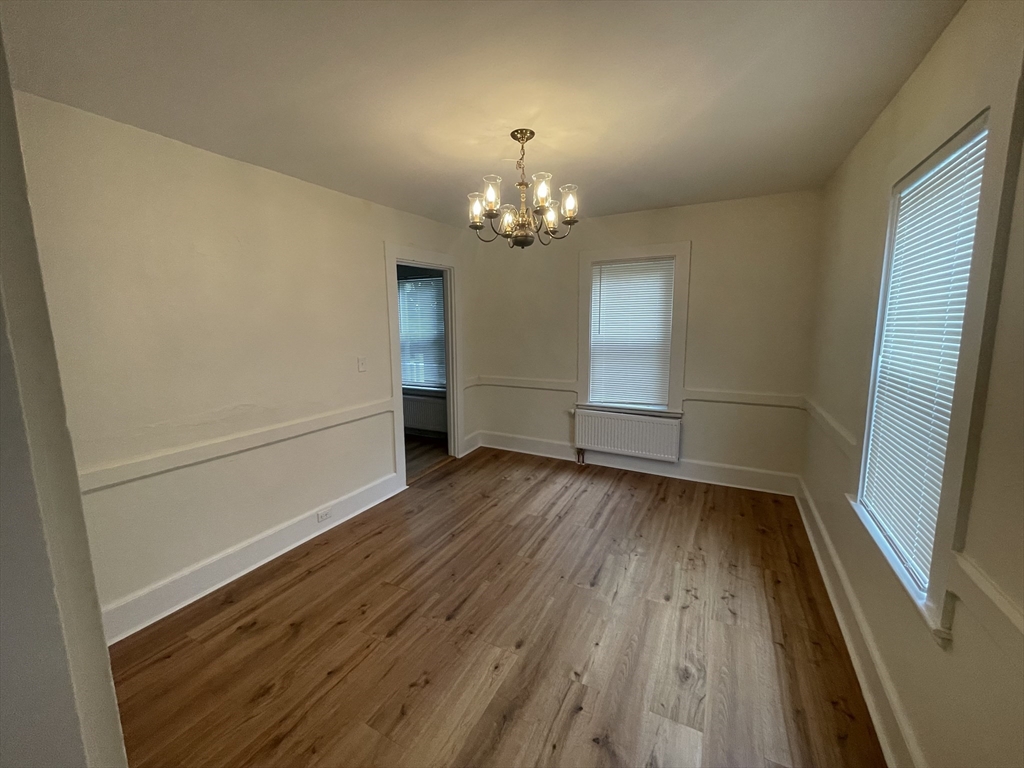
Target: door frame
395 254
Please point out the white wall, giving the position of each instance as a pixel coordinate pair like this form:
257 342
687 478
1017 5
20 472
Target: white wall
748 331
202 305
57 705
204 310
963 705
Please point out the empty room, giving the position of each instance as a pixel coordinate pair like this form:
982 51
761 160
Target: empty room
433 383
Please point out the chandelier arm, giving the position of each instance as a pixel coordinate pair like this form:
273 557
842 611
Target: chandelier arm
482 240
540 239
561 237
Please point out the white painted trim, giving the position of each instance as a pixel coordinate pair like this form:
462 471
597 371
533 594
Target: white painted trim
697 471
993 608
132 613
470 443
680 251
984 290
940 631
842 437
391 281
633 410
714 473
553 449
773 399
97 478
415 256
897 737
512 382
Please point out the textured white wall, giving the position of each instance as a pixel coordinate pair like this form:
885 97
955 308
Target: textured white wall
752 273
964 705
196 298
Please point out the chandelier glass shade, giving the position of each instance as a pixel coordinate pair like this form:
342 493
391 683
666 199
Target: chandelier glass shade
548 219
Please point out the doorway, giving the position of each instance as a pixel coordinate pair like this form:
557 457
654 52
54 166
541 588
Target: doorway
424 320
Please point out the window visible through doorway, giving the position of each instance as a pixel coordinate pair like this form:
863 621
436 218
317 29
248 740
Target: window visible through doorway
421 332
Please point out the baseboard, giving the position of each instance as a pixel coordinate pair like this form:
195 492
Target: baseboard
888 715
749 478
132 613
553 449
713 473
469 444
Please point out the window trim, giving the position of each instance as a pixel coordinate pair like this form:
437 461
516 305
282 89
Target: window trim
414 256
680 251
935 604
428 386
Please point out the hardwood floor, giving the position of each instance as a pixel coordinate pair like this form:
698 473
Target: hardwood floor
513 610
422 454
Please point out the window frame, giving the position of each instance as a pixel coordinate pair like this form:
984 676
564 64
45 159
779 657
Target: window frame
680 253
935 603
420 387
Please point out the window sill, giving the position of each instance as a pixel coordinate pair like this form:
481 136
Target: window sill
931 613
644 410
425 391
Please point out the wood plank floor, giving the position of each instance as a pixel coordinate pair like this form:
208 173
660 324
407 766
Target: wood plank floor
422 454
511 610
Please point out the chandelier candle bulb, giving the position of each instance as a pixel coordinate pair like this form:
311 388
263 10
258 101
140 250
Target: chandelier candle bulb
570 202
522 226
551 216
508 220
541 190
492 193
476 210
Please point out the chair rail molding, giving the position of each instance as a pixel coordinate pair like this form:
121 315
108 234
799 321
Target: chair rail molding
97 478
771 399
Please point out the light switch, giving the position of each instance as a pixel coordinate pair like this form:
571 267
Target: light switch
361 364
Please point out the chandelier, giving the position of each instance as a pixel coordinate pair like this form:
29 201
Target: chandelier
518 227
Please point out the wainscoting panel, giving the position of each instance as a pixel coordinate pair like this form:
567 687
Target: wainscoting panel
138 610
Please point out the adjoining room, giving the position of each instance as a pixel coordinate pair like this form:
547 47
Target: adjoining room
438 383
424 343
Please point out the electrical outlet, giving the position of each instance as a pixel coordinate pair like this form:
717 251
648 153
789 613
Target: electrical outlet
322 515
361 364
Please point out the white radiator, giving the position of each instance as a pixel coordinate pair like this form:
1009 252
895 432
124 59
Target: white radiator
652 437
425 412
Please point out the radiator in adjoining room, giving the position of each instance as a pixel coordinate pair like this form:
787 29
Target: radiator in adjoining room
651 437
425 413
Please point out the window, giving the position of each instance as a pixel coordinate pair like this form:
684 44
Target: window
421 332
631 332
924 295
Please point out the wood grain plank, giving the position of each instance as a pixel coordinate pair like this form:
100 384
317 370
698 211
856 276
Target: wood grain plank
513 610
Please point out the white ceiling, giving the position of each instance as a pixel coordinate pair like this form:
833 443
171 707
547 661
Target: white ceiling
644 105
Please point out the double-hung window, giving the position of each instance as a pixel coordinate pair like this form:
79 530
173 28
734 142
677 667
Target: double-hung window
421 332
631 332
917 349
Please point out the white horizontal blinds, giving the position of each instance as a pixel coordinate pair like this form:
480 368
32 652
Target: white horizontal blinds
917 353
421 331
631 332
